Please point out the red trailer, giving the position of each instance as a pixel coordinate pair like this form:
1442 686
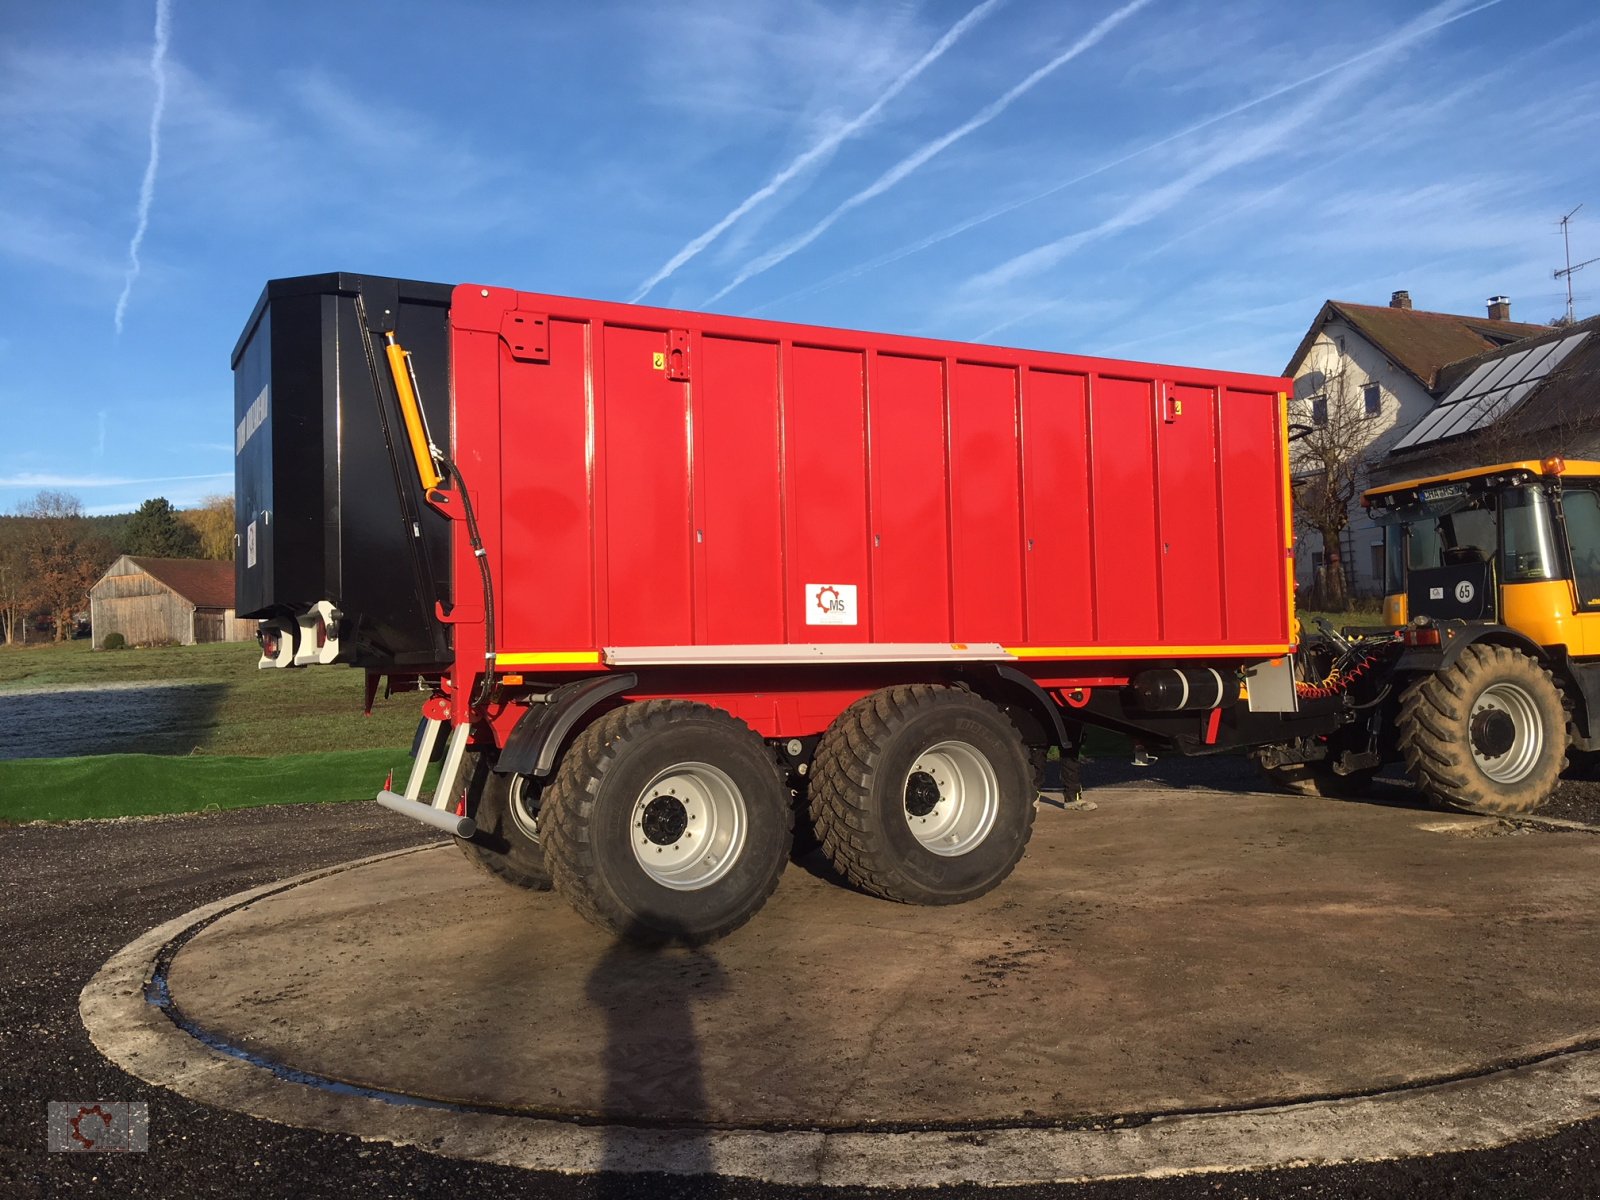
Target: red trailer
672 578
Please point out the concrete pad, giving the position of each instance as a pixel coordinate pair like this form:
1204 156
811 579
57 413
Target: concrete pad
1163 954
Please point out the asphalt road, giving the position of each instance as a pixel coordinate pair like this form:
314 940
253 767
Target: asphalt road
76 893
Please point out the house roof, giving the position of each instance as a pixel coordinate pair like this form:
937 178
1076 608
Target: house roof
204 582
1420 343
1552 382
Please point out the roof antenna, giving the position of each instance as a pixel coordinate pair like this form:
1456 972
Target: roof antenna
1566 272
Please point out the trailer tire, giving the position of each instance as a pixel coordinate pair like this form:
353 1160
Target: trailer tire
618 834
923 795
508 844
1487 733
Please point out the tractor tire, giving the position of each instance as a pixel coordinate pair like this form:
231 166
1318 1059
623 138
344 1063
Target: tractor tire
667 821
1316 779
508 844
1486 734
923 795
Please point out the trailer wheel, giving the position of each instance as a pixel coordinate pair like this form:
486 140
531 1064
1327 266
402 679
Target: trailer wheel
508 844
923 795
1488 733
667 821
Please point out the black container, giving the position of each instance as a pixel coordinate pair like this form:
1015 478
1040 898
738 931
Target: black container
328 502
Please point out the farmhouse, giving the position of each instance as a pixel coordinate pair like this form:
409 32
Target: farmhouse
166 600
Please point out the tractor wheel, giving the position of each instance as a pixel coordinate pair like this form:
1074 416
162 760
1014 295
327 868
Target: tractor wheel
507 844
923 795
1487 733
667 821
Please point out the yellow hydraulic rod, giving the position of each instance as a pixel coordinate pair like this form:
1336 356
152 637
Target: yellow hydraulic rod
422 450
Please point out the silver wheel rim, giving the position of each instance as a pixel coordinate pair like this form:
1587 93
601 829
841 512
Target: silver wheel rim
688 826
958 817
1527 742
524 815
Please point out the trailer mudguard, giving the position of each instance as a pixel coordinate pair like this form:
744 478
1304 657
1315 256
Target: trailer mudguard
534 743
1017 687
1437 658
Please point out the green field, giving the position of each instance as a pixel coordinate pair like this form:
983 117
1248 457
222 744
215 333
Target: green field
232 758
130 785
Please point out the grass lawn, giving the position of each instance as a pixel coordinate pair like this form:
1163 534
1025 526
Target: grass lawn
261 737
128 785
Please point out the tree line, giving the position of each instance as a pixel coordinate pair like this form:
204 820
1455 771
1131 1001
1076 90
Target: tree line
52 552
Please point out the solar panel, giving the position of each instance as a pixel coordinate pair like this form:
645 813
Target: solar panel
1492 390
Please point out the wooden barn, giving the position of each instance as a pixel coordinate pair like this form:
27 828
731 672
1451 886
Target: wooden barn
166 601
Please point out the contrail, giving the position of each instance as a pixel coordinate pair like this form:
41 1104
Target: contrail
1248 147
914 160
1256 144
147 189
818 150
933 239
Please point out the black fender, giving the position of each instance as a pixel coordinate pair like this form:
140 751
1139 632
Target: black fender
538 736
1009 686
1428 659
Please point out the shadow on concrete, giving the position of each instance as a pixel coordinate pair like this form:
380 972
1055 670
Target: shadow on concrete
170 718
648 996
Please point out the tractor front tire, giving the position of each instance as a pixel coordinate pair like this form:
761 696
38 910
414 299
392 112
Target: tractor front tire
1487 734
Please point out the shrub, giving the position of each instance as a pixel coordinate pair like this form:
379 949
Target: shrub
114 641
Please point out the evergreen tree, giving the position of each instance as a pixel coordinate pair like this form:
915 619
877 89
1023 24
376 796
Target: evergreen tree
156 531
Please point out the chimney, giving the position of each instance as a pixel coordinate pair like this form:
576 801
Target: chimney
1400 300
1499 308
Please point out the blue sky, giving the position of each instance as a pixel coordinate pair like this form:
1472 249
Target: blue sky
1173 180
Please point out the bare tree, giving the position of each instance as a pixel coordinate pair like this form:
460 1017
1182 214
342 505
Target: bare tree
63 555
13 583
1332 449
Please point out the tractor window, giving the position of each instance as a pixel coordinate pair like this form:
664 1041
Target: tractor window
1394 560
1422 544
1582 509
1529 546
1468 536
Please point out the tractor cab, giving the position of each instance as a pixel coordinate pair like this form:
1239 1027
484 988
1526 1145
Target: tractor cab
1517 544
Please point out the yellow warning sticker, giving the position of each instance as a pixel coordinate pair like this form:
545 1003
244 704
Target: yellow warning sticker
659 361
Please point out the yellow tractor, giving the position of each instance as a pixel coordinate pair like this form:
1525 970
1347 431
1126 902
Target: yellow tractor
1493 581
1487 675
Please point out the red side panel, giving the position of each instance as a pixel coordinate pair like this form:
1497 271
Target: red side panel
985 505
1060 513
1122 472
910 592
738 451
1252 471
1190 512
825 419
544 515
649 600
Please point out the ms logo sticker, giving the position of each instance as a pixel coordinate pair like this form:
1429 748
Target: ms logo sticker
830 604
